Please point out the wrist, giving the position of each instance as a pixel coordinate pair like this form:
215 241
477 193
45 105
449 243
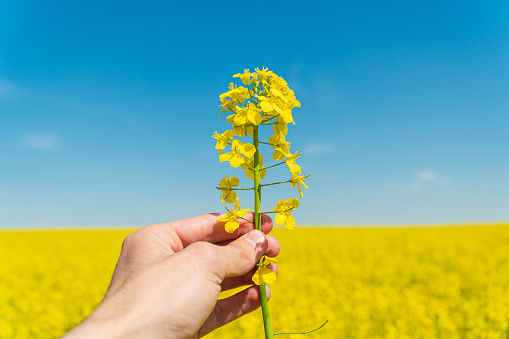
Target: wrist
100 325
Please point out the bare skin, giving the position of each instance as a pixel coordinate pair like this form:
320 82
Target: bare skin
168 278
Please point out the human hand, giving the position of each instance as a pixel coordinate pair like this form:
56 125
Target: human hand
168 278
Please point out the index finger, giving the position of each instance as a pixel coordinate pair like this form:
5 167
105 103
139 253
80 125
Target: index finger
207 228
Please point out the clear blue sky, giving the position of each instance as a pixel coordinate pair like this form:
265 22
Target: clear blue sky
107 108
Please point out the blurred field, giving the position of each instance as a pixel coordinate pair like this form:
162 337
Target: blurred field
439 282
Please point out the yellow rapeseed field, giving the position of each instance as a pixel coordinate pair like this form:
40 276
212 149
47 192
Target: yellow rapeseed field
429 282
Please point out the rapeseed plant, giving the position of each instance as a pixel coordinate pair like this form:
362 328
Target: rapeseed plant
265 101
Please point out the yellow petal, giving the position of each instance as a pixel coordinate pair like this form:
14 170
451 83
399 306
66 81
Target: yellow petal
278 155
266 106
231 225
280 205
248 150
300 190
280 129
234 181
267 275
249 173
236 160
280 219
293 202
242 212
255 118
230 118
269 260
225 157
230 197
290 222
274 141
224 218
263 171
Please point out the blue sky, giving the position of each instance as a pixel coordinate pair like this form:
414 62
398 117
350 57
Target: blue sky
107 108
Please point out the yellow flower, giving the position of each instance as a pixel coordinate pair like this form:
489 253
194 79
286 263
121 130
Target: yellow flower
264 74
280 127
283 209
247 115
231 98
242 130
239 150
282 147
263 274
249 172
226 105
292 166
246 78
231 218
226 185
223 139
298 180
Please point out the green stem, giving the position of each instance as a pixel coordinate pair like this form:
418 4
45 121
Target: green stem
258 225
280 163
277 183
303 332
235 189
288 210
284 182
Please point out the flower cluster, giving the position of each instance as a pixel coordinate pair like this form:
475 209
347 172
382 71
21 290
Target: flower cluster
264 99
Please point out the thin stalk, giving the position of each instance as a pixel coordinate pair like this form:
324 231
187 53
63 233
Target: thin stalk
280 163
235 189
266 143
304 332
258 201
277 183
283 182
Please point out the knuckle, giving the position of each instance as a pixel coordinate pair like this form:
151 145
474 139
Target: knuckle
132 238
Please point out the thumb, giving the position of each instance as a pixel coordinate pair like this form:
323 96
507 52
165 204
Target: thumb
242 254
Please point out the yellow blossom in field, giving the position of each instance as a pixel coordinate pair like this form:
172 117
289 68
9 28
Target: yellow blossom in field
239 150
394 282
226 185
298 180
231 218
223 139
283 209
264 274
248 171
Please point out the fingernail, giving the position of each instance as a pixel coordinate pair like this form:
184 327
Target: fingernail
255 238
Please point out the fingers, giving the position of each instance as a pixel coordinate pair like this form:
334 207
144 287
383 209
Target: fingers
229 309
272 250
205 228
241 255
243 280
